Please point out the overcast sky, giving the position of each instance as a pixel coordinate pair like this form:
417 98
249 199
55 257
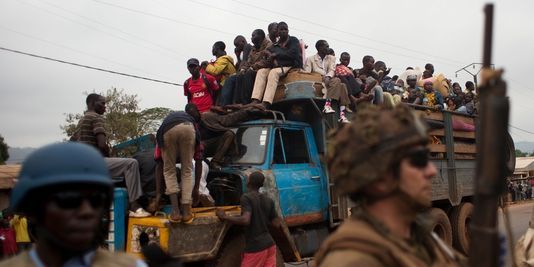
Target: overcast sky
155 38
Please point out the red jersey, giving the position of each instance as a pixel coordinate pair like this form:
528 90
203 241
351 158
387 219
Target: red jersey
198 93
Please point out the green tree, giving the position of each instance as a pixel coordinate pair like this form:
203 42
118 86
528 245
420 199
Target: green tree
519 153
124 119
4 153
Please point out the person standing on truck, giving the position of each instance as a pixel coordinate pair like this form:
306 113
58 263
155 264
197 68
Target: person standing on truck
91 131
386 171
200 87
178 136
65 191
257 213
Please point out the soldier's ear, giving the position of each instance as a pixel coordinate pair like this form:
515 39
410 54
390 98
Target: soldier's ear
383 186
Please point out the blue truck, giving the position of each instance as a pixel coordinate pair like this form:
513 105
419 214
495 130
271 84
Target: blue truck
289 148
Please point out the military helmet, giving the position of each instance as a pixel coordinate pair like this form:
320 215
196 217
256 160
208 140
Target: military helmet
365 150
60 164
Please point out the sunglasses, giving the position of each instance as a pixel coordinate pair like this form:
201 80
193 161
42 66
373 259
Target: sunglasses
73 199
418 158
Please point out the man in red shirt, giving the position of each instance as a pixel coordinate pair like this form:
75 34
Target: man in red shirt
199 87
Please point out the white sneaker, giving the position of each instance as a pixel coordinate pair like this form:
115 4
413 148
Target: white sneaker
343 119
328 109
139 213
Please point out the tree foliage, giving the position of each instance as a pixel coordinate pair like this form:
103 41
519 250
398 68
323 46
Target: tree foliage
519 153
124 119
4 153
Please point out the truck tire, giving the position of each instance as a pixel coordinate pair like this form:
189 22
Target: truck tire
461 218
442 226
230 253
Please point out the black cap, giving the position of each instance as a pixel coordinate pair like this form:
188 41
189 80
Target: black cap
193 61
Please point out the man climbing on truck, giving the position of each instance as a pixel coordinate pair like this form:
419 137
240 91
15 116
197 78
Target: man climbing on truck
387 172
257 212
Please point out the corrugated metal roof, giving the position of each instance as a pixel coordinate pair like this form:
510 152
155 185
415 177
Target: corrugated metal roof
8 175
522 163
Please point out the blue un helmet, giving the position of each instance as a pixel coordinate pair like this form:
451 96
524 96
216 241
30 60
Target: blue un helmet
60 164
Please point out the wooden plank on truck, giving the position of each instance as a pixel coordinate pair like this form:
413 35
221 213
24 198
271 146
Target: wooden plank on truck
457 134
458 148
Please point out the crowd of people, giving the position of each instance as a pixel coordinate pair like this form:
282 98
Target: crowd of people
263 64
520 190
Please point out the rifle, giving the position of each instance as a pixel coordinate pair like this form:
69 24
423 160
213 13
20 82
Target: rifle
490 170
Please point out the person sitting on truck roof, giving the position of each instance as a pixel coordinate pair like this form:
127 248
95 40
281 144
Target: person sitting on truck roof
200 87
431 97
223 66
430 68
368 70
179 135
238 88
66 192
387 172
91 131
242 50
257 213
325 65
285 54
413 93
272 31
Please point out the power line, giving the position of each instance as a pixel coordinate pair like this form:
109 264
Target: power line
69 48
346 32
330 28
162 17
88 67
168 50
517 128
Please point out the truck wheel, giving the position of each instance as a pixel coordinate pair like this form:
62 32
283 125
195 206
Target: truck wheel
230 252
442 225
461 218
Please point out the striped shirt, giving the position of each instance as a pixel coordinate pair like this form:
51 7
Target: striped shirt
89 126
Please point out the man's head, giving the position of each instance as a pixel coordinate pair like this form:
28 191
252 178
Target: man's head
427 74
430 68
380 66
366 151
96 103
272 30
322 47
456 89
468 97
239 43
344 59
192 110
411 81
65 190
368 62
258 35
193 66
218 49
283 30
469 86
255 180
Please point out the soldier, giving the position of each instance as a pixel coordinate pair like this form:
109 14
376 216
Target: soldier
381 162
65 191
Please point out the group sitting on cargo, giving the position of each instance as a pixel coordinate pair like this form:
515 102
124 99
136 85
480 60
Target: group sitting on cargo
263 66
221 94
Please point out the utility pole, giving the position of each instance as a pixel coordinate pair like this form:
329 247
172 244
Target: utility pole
472 72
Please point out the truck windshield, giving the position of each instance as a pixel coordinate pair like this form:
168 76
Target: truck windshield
252 141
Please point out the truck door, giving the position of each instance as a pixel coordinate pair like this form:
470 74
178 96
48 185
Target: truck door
297 171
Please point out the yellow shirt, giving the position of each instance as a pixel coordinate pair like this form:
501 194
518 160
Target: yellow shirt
20 224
